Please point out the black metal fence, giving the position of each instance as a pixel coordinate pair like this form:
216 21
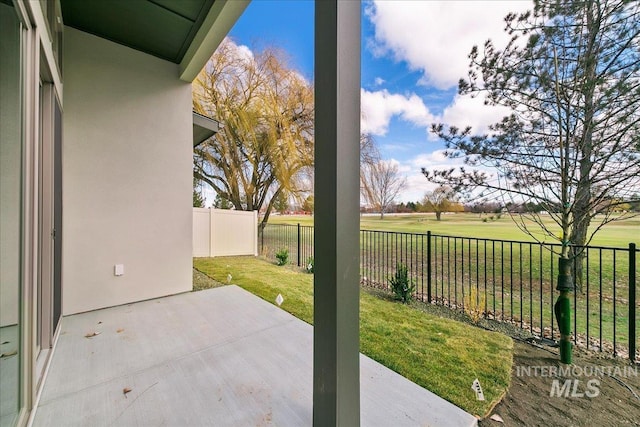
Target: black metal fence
297 239
506 280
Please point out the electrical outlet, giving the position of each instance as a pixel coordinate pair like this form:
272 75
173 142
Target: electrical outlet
118 269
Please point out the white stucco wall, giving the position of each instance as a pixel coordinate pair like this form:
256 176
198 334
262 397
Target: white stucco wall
127 175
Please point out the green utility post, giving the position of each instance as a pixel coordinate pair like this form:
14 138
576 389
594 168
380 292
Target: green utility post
562 309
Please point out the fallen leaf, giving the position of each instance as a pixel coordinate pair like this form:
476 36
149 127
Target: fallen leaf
8 354
92 334
125 391
496 417
120 330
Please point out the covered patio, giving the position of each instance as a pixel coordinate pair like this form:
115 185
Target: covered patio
219 357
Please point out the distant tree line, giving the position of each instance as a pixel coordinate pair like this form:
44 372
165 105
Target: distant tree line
492 207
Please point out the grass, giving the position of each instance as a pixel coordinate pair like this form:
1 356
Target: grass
519 279
618 234
442 355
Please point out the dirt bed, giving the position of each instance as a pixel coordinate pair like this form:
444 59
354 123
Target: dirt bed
609 400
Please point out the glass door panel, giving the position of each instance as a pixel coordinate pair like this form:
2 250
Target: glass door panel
11 172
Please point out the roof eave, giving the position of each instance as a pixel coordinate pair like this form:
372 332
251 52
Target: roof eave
217 24
204 128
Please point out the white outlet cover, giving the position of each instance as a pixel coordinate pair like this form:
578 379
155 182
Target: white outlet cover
118 269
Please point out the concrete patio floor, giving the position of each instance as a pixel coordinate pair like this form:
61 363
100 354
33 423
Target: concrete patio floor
221 357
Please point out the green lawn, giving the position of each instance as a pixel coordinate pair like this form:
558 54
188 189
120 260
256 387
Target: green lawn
618 234
516 280
442 355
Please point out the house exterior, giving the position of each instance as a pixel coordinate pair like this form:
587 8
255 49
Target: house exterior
96 139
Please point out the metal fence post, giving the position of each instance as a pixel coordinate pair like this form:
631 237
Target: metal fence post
261 228
632 301
429 267
298 244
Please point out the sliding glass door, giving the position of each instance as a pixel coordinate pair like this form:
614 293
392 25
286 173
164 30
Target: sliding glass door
11 242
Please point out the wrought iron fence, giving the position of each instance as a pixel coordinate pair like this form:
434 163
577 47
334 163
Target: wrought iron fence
505 280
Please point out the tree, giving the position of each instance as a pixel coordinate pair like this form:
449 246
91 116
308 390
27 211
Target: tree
381 183
484 207
221 203
442 199
281 204
266 143
198 199
570 76
369 153
308 204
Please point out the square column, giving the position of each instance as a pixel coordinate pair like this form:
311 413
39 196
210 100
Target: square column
336 367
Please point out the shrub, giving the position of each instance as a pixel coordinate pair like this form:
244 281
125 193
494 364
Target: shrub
282 256
474 304
310 265
401 285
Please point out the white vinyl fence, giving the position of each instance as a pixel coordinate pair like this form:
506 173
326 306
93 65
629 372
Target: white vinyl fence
221 232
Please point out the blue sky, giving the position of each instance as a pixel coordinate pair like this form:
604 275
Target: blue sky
413 54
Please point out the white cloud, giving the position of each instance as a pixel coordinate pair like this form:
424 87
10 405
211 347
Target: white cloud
417 186
238 51
435 37
467 111
411 169
380 106
379 81
436 158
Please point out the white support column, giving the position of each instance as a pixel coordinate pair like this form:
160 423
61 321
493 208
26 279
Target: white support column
336 368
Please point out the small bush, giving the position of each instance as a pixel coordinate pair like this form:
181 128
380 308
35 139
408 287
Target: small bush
474 305
282 256
310 265
401 285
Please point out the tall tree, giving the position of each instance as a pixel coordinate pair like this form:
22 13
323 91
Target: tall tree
571 77
198 199
221 203
267 139
281 204
309 204
381 183
442 199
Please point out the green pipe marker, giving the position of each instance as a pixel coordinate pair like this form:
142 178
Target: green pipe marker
562 310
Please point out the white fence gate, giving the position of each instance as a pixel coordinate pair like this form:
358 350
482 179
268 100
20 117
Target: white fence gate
221 232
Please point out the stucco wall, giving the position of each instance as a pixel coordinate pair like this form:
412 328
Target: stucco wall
127 175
